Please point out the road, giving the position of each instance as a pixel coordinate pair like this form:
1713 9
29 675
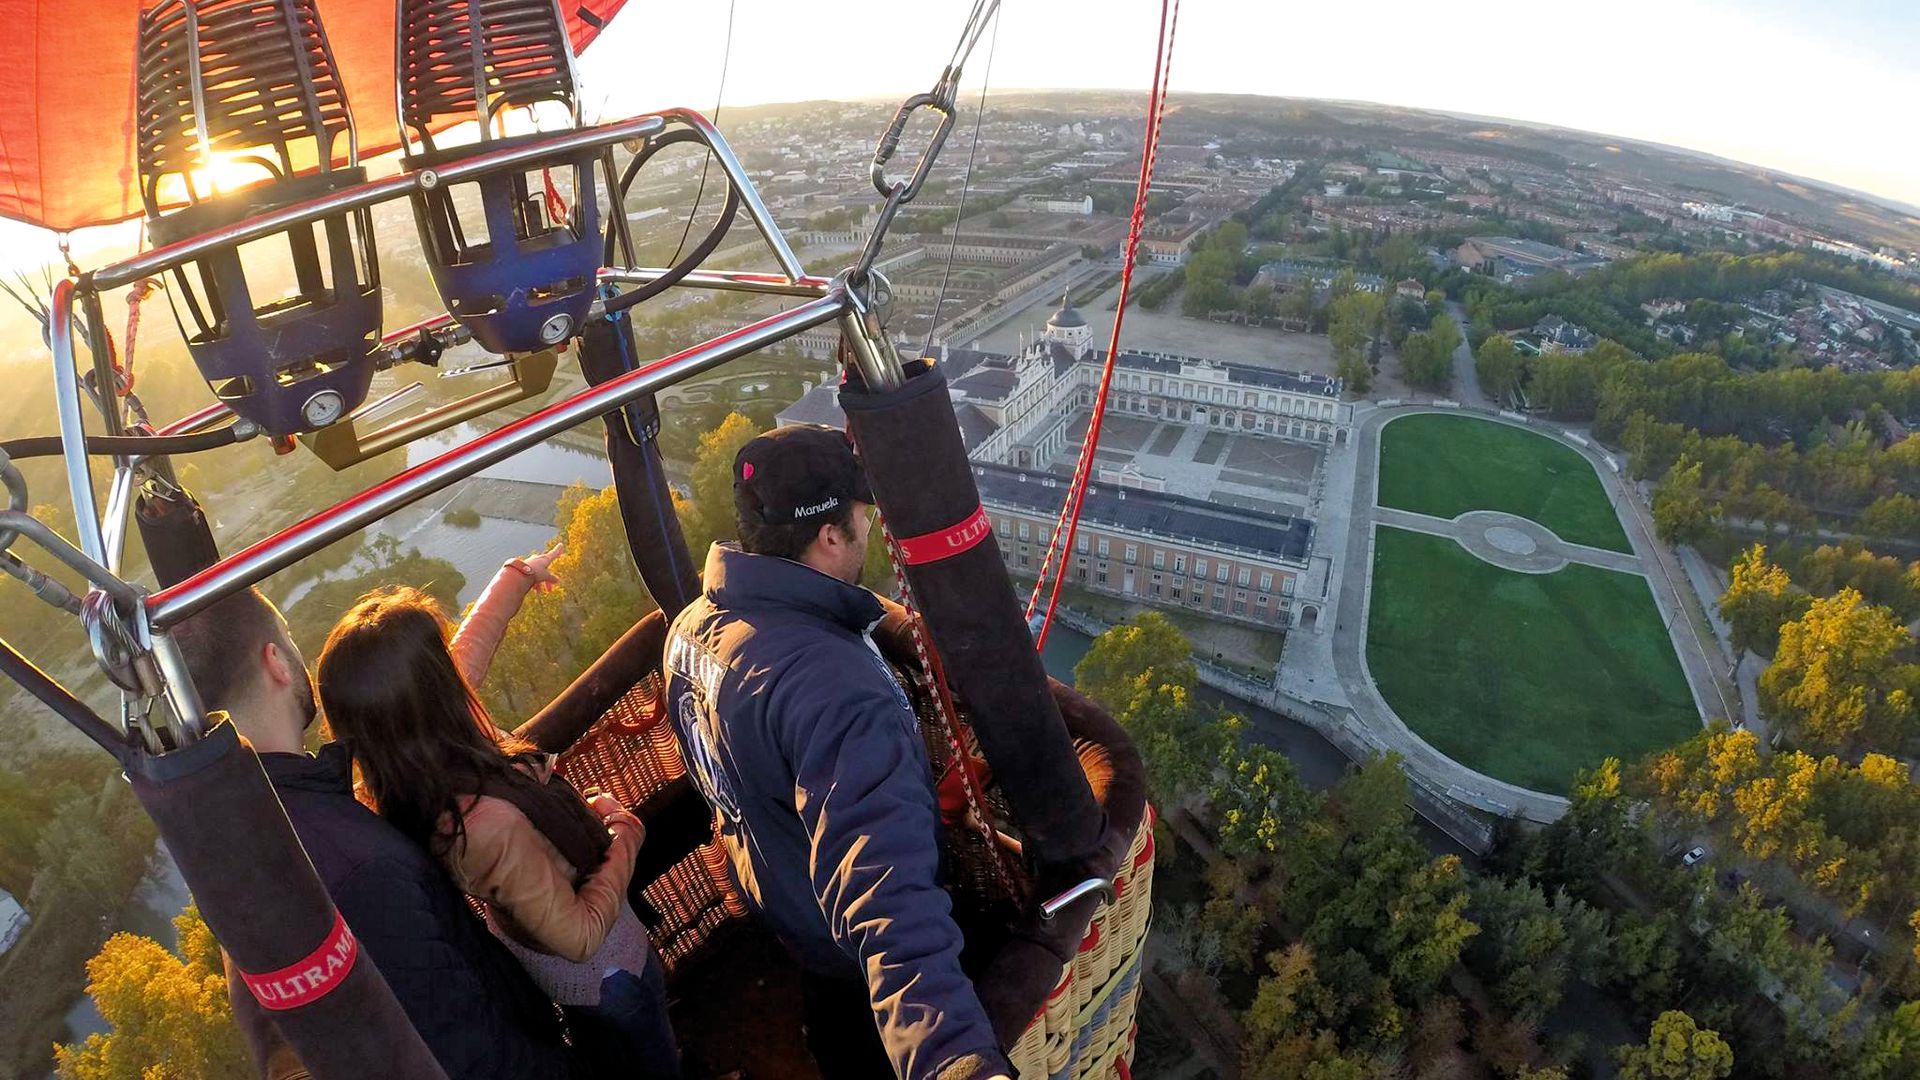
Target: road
1466 379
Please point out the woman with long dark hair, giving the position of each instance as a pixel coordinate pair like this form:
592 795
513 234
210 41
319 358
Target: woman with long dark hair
551 867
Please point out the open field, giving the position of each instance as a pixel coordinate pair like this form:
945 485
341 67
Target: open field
1524 677
1444 466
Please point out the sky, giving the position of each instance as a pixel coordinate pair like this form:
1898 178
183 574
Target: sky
1821 90
1824 91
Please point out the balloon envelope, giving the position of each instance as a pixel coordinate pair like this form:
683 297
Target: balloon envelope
67 98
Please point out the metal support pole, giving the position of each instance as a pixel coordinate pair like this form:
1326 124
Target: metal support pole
73 430
277 552
737 175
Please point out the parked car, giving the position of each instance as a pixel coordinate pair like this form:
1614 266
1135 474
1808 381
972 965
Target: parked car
1693 856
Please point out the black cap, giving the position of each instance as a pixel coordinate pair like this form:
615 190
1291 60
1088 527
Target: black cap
798 472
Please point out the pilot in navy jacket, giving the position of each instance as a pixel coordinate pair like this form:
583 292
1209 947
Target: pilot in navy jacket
795 729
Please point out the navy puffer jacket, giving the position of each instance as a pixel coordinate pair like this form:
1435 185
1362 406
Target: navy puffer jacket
471 1001
795 729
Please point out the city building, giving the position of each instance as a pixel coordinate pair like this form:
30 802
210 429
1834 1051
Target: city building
1508 258
1022 419
1156 548
1556 334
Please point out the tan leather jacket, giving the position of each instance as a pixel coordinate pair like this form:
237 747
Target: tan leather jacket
532 889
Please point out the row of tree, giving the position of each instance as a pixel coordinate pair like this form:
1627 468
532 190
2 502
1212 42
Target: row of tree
1607 301
1336 945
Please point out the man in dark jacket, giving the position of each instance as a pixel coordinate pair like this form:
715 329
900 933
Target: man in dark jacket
472 1002
794 728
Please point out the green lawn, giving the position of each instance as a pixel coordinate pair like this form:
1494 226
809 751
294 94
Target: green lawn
1524 677
1446 465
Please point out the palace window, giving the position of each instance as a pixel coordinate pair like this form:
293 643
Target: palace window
1220 573
1286 587
1159 560
1239 607
1180 565
1026 531
1132 555
1266 582
1100 577
1080 545
1006 527
1104 549
1246 577
1200 568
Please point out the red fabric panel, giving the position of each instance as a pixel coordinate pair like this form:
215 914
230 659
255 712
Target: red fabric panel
66 98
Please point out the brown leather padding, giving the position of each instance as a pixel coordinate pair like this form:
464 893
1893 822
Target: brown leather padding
625 664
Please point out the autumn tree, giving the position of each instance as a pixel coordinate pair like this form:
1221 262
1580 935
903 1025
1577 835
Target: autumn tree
1838 676
1759 600
1260 805
1595 835
1682 512
168 1015
1142 671
559 632
1677 1049
710 516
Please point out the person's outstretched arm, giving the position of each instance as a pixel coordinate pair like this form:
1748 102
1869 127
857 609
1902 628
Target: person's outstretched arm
479 634
862 793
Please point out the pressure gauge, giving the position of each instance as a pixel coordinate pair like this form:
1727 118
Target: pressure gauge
323 408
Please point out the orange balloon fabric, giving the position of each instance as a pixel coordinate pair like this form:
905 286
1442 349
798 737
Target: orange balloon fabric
66 98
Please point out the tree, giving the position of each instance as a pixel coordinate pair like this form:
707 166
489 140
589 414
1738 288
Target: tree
1759 600
1352 319
1373 797
1260 804
1426 361
1677 1049
168 1014
1497 363
1892 1046
1681 512
1354 373
1144 650
711 516
381 563
1142 671
1838 677
558 633
1892 516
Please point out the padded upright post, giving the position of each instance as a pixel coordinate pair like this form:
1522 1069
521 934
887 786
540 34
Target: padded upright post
639 476
917 465
262 899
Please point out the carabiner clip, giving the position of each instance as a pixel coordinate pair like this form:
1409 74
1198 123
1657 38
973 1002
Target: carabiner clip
890 144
